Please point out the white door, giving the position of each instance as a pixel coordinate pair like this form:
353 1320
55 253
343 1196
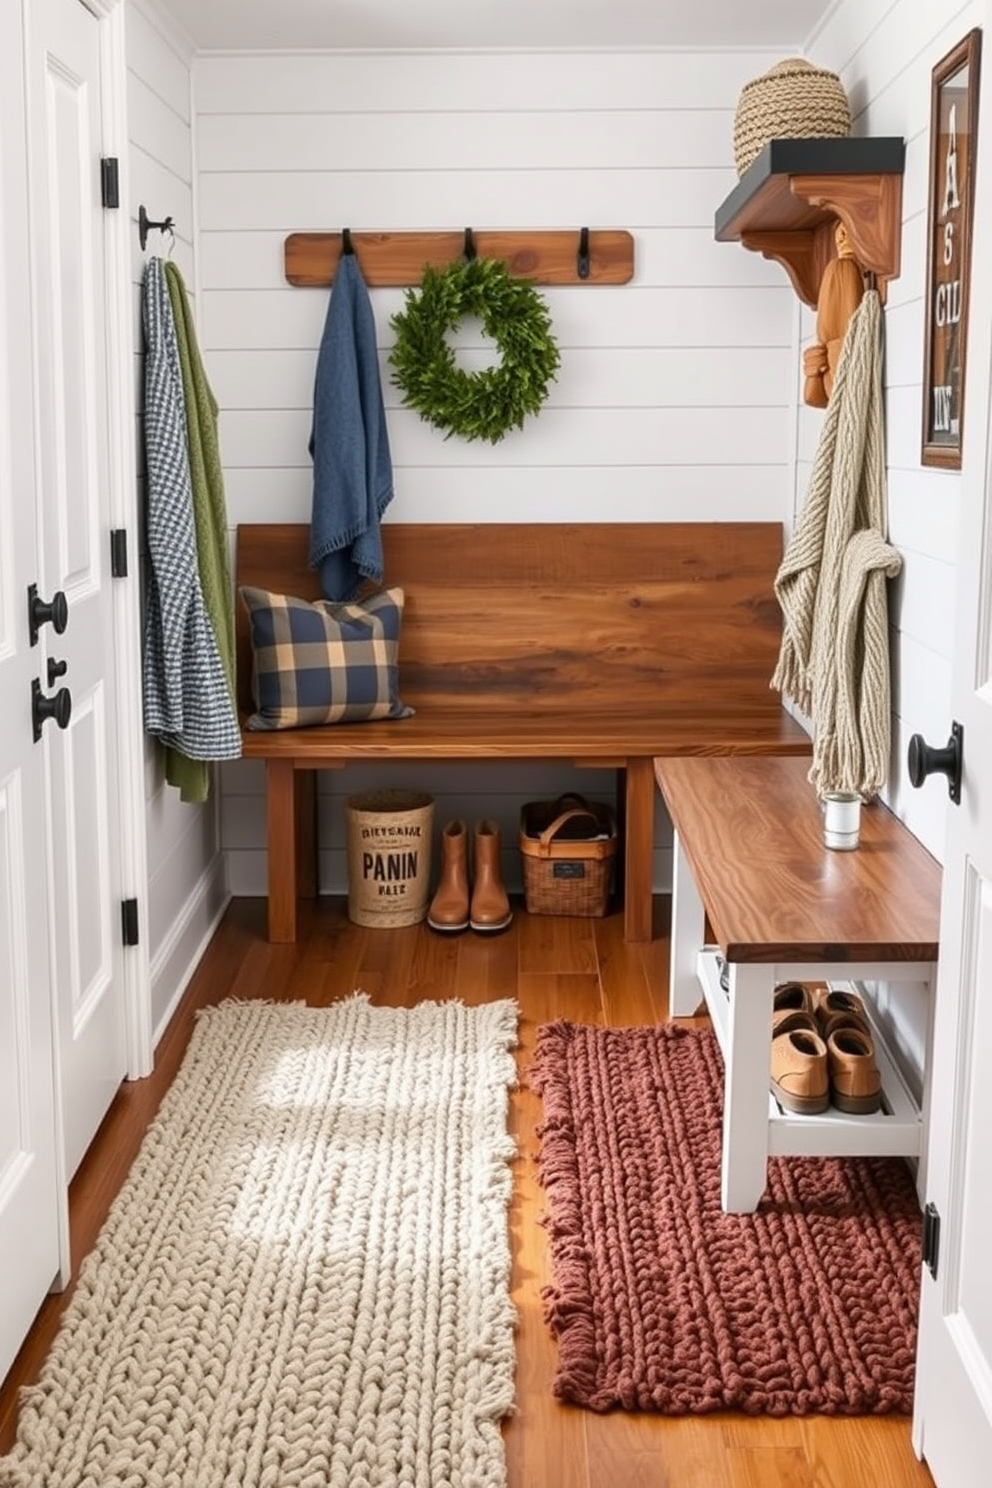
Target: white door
31 1211
84 790
953 1410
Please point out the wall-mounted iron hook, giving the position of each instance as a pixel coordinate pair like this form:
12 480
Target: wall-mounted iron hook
347 246
146 225
469 250
582 264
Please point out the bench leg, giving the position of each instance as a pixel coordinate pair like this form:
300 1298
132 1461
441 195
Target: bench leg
747 1058
688 930
280 807
306 833
639 851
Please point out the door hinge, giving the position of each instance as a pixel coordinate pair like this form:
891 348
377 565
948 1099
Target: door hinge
129 921
118 553
931 1239
110 191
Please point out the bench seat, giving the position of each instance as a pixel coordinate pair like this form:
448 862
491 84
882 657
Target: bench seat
604 645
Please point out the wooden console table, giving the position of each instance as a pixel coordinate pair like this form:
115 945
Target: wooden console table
750 859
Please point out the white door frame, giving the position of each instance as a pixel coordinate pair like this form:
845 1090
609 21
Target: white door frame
122 416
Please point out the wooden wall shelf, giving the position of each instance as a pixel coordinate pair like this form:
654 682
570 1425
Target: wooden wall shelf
398 259
789 201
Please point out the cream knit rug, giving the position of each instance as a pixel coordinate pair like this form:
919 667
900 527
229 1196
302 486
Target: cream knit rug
305 1280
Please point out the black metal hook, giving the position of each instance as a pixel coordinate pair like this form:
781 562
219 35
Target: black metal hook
469 250
347 246
146 225
582 266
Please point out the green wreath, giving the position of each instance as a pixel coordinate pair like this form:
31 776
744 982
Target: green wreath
476 405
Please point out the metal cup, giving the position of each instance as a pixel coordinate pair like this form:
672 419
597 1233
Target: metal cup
841 819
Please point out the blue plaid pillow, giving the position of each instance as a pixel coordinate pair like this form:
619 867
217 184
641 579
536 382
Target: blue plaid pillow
323 662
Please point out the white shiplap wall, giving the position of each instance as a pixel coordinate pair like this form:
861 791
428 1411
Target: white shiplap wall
885 50
186 881
676 396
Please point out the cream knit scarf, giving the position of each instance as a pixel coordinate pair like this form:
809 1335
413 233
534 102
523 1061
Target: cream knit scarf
834 658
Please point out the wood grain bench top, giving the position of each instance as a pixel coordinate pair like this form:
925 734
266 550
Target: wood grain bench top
582 641
752 832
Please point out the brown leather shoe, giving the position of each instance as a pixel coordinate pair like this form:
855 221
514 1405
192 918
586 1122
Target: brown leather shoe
800 1079
786 1020
490 910
792 997
840 1009
448 911
855 1083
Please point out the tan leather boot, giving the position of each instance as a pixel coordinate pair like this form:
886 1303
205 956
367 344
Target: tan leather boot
448 911
490 910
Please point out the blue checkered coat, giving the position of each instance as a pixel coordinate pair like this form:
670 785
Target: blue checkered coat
187 700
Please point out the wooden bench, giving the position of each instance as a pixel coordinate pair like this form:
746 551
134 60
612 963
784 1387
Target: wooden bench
606 645
750 863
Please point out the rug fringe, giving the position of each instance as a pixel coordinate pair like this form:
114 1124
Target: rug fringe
564 1220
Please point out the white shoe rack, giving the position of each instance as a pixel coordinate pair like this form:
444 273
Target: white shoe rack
894 1131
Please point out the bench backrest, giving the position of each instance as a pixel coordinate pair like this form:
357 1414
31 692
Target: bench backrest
598 617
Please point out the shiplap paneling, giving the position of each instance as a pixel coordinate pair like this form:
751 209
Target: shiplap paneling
727 492
924 509
159 58
156 121
675 399
607 438
606 377
884 51
924 602
611 316
667 82
461 790
185 871
450 141
390 200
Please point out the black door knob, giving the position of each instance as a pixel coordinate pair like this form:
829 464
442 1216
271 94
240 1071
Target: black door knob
58 705
924 760
53 612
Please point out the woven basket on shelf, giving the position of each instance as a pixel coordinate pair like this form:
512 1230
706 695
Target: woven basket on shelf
792 100
567 848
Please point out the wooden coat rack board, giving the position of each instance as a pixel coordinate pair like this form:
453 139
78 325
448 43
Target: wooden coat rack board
393 260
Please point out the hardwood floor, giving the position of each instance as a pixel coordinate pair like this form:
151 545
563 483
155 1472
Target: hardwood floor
555 968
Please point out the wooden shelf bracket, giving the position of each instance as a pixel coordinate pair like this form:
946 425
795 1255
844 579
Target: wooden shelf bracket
789 202
870 207
398 259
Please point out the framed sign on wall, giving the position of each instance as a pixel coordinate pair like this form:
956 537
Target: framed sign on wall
953 135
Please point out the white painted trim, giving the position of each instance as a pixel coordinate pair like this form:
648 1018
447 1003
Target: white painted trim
655 49
211 882
821 26
177 37
194 229
123 482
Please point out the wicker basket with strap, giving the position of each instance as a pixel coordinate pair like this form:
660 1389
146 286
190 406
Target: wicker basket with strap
568 848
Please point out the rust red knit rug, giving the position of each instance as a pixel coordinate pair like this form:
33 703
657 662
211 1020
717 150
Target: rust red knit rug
660 1300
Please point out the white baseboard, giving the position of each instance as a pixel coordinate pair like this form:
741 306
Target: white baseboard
180 953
